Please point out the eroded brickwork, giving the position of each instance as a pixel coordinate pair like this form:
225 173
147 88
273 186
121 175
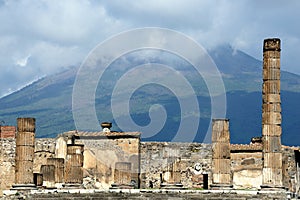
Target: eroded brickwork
193 160
44 149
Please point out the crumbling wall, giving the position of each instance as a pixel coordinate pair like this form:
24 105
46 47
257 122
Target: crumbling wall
193 159
7 163
246 166
101 156
289 169
7 156
44 148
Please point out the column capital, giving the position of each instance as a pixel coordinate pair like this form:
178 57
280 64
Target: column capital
272 44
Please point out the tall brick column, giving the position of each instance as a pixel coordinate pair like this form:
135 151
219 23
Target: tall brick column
221 167
24 153
271 115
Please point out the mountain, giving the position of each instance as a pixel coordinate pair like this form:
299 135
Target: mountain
49 99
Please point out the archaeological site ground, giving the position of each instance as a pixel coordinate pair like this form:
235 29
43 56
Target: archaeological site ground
118 165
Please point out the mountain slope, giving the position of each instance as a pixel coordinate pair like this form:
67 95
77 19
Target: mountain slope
49 99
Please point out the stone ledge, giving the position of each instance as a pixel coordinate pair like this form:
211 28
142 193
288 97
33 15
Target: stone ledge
147 194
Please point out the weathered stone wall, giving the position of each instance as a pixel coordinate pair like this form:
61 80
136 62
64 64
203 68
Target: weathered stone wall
246 166
247 162
7 163
156 157
289 169
44 148
101 156
191 159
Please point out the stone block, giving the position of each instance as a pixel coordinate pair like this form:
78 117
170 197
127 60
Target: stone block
271 130
272 107
272 177
222 179
26 124
271 118
48 172
221 150
59 168
221 166
25 153
25 139
220 130
271 74
75 160
271 144
73 175
24 172
271 87
247 178
272 160
271 98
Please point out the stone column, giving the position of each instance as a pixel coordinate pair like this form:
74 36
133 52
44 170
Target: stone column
59 164
74 164
48 172
24 153
221 167
271 115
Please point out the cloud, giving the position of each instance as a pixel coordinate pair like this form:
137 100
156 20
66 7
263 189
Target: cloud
54 34
243 24
23 61
58 34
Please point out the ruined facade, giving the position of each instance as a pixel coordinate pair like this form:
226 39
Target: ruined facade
108 159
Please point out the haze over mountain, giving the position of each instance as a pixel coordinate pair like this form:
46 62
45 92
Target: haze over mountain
49 99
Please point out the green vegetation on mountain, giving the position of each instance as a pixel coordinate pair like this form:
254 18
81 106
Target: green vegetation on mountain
49 99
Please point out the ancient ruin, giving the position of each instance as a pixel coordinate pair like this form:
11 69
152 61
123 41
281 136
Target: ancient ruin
109 160
24 153
271 115
221 172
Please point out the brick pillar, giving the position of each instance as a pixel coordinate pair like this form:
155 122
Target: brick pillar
271 115
221 168
74 164
24 153
59 164
48 172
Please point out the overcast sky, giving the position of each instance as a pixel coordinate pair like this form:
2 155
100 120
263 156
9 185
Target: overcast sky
40 37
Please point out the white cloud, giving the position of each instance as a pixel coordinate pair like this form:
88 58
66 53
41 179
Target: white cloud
61 33
23 61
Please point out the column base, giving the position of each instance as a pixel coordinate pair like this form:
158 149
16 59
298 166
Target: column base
176 186
272 188
219 186
24 187
121 186
48 185
71 186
